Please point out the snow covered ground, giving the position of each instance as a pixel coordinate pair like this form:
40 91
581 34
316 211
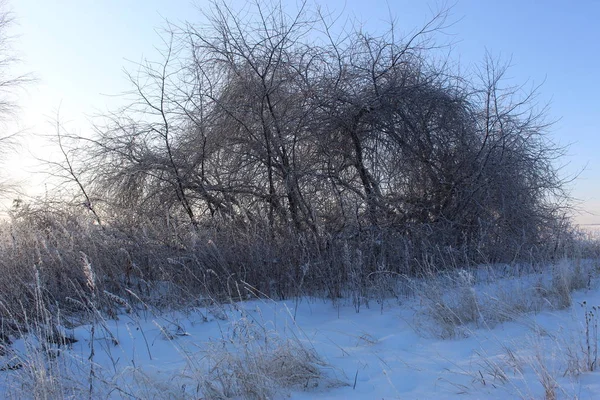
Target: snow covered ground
324 350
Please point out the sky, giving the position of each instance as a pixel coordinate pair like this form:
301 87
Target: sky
78 50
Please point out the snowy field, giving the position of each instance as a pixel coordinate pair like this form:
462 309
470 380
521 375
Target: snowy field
469 335
593 230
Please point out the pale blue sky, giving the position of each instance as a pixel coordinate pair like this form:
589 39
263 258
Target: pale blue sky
78 49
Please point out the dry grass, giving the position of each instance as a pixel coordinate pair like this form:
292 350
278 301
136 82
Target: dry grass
61 270
452 305
253 362
565 279
580 350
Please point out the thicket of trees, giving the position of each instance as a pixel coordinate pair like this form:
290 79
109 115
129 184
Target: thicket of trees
284 150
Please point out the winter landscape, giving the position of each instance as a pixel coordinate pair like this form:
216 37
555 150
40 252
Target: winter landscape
286 202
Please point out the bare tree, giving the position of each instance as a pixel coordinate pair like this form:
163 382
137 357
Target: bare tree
68 172
283 120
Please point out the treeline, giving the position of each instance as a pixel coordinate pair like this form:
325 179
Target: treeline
287 152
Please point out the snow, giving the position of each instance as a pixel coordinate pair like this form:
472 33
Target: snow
389 351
